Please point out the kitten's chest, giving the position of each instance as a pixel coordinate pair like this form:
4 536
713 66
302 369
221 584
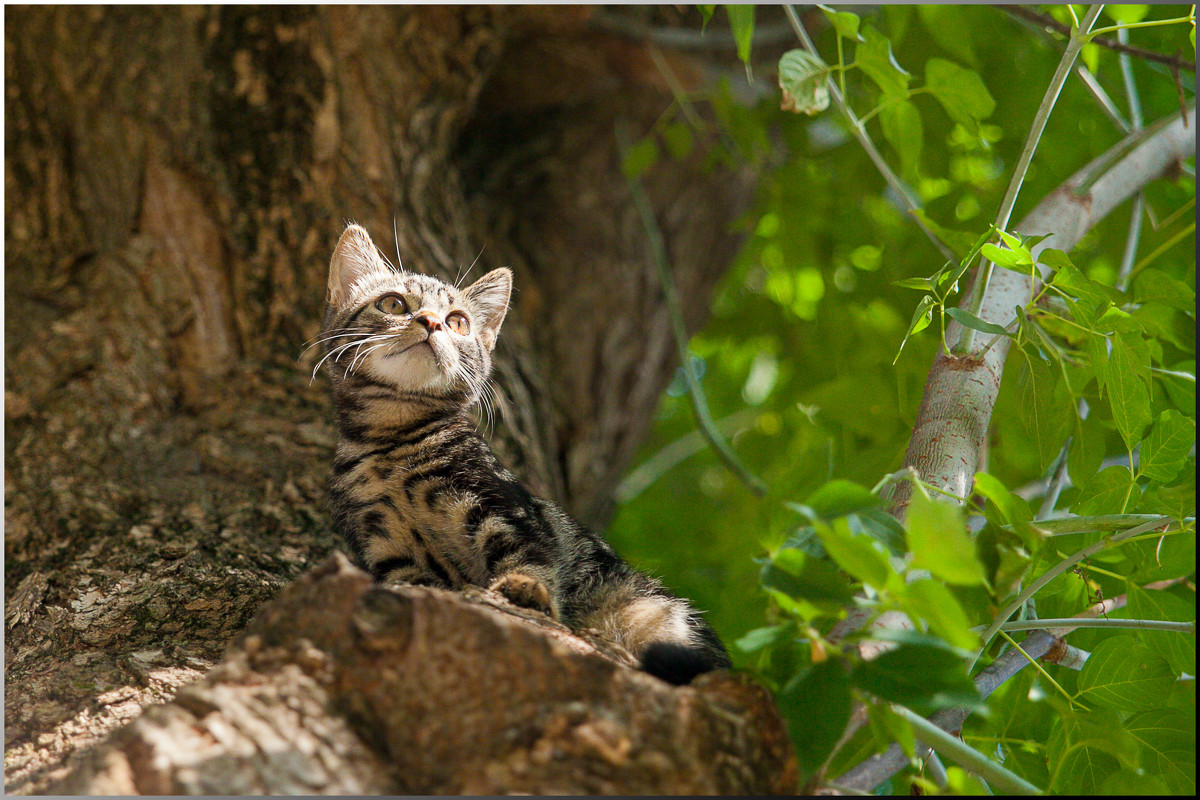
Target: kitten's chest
415 505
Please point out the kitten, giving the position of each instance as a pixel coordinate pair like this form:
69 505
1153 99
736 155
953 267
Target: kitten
417 493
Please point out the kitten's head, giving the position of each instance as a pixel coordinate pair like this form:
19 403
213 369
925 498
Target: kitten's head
414 333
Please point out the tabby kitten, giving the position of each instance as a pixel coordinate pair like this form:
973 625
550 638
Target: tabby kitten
417 493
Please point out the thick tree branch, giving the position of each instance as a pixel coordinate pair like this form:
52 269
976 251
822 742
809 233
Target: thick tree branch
956 408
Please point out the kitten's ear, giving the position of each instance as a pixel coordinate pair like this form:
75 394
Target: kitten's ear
354 257
488 297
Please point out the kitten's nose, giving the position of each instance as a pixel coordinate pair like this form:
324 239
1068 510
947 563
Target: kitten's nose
431 321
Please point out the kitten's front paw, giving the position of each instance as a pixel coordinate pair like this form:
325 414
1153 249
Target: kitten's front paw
524 591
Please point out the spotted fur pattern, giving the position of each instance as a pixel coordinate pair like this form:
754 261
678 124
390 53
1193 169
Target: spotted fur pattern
417 493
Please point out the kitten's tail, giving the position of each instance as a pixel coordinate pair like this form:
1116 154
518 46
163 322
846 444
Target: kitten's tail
668 637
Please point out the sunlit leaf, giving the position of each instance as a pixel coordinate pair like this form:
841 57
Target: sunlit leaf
741 22
874 57
938 538
901 124
1166 448
967 319
803 79
1127 379
1111 491
845 23
960 91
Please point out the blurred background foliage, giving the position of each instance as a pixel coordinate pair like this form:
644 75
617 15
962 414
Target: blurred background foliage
796 359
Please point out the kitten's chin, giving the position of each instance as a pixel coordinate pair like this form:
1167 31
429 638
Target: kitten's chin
416 369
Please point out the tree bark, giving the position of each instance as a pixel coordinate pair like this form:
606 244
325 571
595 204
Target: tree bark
175 181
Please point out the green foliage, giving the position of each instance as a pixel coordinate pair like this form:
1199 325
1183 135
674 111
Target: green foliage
814 359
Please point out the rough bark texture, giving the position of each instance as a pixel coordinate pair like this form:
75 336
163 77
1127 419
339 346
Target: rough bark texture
339 686
175 180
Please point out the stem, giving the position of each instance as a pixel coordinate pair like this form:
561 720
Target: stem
860 133
1154 23
1135 214
1142 624
1106 522
1078 39
1059 569
695 392
967 757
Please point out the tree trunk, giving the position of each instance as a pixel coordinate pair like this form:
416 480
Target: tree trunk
175 181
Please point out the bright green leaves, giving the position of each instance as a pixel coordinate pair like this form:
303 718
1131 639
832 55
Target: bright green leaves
1127 378
937 537
902 127
1168 742
960 91
844 22
1125 675
805 584
874 57
741 21
1165 450
803 79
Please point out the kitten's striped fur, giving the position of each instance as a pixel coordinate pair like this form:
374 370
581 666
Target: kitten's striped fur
417 493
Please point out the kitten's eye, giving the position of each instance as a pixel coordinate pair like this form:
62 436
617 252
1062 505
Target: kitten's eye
392 304
459 323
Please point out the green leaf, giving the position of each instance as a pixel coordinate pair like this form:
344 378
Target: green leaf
1087 450
1126 14
1166 449
888 727
838 498
1013 510
1168 739
901 123
948 26
1156 286
1124 674
958 241
1000 256
939 542
707 12
760 638
874 57
845 23
1178 648
803 80
816 709
741 21
804 577
859 555
1004 557
1107 492
678 138
1123 783
1084 748
960 91
931 601
641 156
1127 377
1046 409
969 320
923 677
921 318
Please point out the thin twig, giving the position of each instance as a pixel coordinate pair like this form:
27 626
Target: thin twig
658 253
1135 121
1060 568
1078 40
1048 21
860 133
1142 624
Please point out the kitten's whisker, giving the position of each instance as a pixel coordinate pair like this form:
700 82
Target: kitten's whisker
336 352
396 239
473 263
328 339
362 356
